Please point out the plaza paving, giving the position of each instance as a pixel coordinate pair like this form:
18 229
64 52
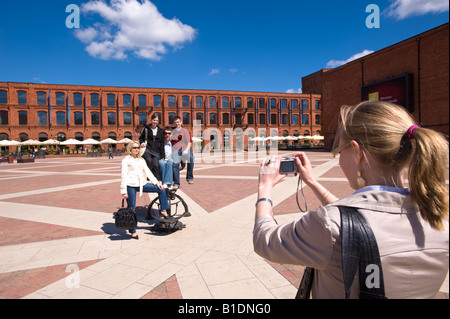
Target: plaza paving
58 239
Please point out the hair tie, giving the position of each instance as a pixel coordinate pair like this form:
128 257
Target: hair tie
410 131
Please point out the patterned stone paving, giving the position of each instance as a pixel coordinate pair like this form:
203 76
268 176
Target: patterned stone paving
56 215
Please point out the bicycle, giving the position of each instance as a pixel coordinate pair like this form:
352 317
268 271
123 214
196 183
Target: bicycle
177 209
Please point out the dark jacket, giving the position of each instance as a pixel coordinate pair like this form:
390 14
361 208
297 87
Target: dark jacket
155 144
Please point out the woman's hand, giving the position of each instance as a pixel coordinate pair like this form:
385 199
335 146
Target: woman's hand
269 172
160 185
124 196
304 168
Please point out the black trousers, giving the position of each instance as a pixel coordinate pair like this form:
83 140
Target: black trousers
152 163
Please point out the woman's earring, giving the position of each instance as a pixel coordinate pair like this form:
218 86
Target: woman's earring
360 181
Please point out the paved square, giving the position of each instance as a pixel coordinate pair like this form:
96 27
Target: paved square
58 239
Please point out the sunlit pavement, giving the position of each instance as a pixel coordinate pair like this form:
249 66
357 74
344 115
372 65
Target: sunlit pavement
58 239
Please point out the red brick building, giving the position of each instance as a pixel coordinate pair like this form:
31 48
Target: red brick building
414 72
51 111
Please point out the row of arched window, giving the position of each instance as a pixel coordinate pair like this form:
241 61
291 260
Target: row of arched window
94 118
76 99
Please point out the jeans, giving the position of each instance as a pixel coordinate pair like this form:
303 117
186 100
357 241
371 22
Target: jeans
177 157
148 188
166 169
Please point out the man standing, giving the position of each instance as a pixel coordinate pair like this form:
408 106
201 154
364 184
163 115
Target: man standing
182 143
152 139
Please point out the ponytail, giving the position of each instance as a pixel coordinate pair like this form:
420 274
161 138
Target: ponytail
387 132
428 163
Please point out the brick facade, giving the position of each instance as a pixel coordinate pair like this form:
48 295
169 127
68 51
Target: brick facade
66 111
425 56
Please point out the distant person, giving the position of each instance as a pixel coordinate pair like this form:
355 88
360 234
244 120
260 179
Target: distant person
152 139
379 144
134 176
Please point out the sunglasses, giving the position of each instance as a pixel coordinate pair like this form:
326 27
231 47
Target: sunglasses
167 133
339 149
136 148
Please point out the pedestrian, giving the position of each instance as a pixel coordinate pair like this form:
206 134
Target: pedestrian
378 143
152 139
267 147
134 175
166 163
110 154
182 152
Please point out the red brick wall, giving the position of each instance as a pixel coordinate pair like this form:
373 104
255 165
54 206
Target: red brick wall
342 85
32 129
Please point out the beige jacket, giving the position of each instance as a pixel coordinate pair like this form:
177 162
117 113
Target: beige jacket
135 173
414 257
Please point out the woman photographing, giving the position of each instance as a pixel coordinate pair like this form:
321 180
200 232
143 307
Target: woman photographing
379 145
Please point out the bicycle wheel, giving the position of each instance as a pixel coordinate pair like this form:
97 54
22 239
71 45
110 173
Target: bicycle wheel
178 206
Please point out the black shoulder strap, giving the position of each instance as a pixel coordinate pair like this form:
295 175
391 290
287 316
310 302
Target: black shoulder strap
360 250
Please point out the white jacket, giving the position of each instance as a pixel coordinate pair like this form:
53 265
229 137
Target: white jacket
135 173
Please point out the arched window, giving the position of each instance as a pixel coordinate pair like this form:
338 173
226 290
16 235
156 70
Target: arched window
61 118
126 100
23 117
60 98
43 137
171 101
41 98
96 136
23 137
42 118
79 136
111 99
157 100
127 118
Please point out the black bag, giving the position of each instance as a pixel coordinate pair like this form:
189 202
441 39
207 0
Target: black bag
359 249
125 218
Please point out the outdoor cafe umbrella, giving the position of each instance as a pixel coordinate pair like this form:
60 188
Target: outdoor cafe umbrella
124 141
50 142
71 141
90 141
9 143
109 141
30 142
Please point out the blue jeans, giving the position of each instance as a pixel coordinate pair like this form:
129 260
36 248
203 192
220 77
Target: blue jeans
166 169
148 188
176 165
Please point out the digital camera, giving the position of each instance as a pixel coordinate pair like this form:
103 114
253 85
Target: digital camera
287 165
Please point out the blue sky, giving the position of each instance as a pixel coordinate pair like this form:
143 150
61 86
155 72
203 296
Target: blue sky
243 45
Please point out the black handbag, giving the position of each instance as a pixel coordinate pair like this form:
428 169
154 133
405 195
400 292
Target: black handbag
359 250
125 218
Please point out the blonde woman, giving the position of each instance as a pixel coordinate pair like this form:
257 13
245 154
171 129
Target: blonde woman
379 146
134 179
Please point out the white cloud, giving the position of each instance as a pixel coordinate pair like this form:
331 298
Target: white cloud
214 71
299 90
131 26
233 70
401 9
336 63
